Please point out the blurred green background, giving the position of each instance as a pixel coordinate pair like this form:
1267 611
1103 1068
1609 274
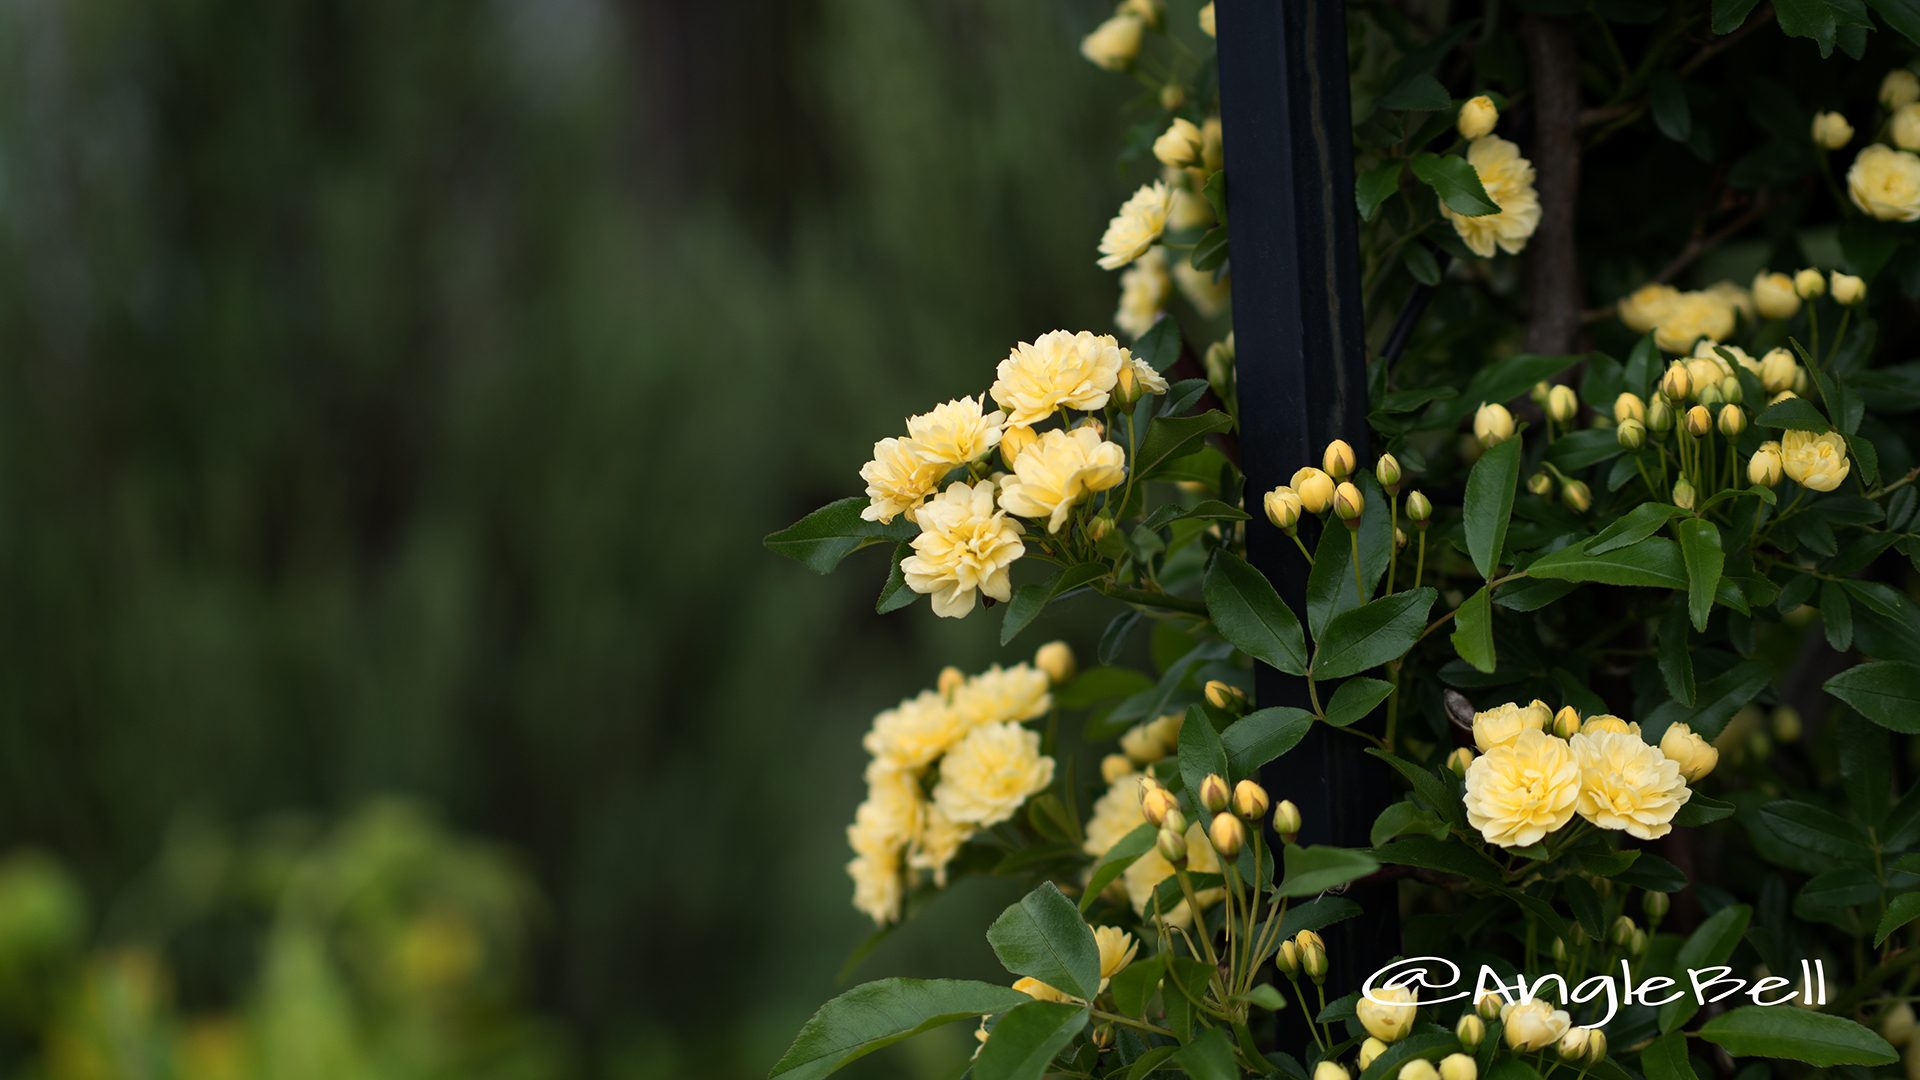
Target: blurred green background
394 397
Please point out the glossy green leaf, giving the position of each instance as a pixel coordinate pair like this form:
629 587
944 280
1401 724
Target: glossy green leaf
1700 550
1200 753
1315 869
1355 699
1654 562
1116 860
1886 692
1171 436
1665 1058
1372 634
1025 1040
1250 614
1456 182
1160 345
1376 186
1135 984
1636 525
1796 1035
1902 910
821 539
1488 505
1044 937
1209 1057
1710 944
1261 736
1030 600
1793 414
878 1014
895 595
1472 635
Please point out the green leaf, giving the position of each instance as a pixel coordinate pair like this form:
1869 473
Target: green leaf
1149 1063
1266 996
1211 251
1700 548
1160 346
1436 793
1374 187
1372 634
1445 856
878 1014
821 539
1654 562
1025 1040
1315 869
895 595
1904 909
1886 692
1261 736
1668 99
1710 944
1676 659
1702 810
1456 182
1813 19
1793 414
1044 937
1216 193
1836 615
1116 860
1665 1058
1171 436
1209 1057
1719 698
1250 614
1355 699
1489 504
1133 987
1030 600
1472 635
1902 15
1638 524
1201 754
1419 92
1796 1035
1816 829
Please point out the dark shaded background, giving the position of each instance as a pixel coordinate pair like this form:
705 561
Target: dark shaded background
393 396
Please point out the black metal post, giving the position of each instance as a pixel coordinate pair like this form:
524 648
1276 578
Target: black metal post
1302 374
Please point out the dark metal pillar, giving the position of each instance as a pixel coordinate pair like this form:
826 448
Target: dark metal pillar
1302 375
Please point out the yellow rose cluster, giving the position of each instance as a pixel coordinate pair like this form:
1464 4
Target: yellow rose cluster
1537 769
947 763
1679 319
1508 178
970 534
1884 180
1389 1013
1120 810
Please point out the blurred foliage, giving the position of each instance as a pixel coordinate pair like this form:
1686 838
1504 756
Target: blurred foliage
353 352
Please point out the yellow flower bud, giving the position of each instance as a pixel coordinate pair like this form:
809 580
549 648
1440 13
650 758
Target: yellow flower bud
950 680
1349 504
1283 507
1765 468
1733 421
1014 439
1731 391
1369 1050
1315 489
1677 384
1225 695
1142 745
1100 527
1212 150
1173 846
1419 510
1538 395
1175 821
1810 283
1399 538
1628 406
1699 421
1899 88
1906 126
1338 461
1492 425
1214 794
1459 760
1786 725
1332 1070
1596 1045
1540 483
1179 146
1777 370
1573 1045
1487 1005
1250 800
1577 496
1656 906
1286 820
1387 1013
1831 130
1114 767
1156 803
1313 961
1774 297
1847 289
1709 394
1623 929
1659 415
1459 1066
1114 43
1038 990
1683 494
1417 1069
1287 960
1470 1030
1799 380
1478 116
1056 659
1562 403
1566 722
1387 471
1172 96
1227 834
1559 950
1898 1024
1632 434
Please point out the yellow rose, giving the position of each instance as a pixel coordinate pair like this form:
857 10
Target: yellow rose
1477 117
998 694
1735 297
1519 792
1015 438
1059 472
1885 183
993 770
899 479
1387 1012
877 887
1115 814
1502 724
1831 130
1418 1069
965 547
1166 730
1607 722
1899 89
1314 488
1144 289
1059 369
1645 307
1117 949
937 845
915 732
1206 19
1627 785
1534 1025
1773 295
1327 1070
1208 296
1141 220
1459 1067
957 433
1847 289
1695 755
1282 505
1179 145
1815 462
1692 316
1038 990
1508 178
1114 43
